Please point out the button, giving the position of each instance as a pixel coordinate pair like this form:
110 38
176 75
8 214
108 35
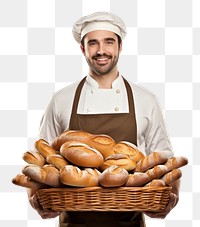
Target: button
89 110
116 109
118 91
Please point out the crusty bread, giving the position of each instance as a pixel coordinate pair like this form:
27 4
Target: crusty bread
32 157
155 158
129 149
176 162
25 181
81 154
44 148
137 179
114 176
73 176
57 160
156 183
172 176
103 143
70 135
157 171
47 174
120 160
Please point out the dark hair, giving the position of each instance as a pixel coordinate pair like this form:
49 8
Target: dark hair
118 37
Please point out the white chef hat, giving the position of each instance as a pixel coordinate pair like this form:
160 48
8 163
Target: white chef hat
98 21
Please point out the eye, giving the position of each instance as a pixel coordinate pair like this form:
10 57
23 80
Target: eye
109 42
92 43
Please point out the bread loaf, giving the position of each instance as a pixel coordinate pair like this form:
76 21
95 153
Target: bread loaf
129 149
176 162
137 179
103 143
155 158
121 160
32 157
74 176
25 181
114 176
172 176
81 154
44 148
47 174
156 183
157 171
57 160
71 135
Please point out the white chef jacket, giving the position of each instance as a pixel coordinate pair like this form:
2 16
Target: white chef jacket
151 130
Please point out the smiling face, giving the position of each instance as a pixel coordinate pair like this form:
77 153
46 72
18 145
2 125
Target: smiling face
101 50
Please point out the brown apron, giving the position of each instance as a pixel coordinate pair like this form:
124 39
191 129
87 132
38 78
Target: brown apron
120 126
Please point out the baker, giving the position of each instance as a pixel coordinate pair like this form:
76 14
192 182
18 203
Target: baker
105 102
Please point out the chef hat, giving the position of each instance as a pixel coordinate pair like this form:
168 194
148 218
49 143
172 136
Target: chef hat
98 21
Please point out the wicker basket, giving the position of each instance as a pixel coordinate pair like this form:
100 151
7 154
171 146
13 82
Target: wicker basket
105 199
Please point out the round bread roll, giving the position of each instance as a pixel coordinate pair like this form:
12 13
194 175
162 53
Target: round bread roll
32 157
25 181
137 179
70 135
73 176
120 160
114 176
81 154
44 148
57 160
124 147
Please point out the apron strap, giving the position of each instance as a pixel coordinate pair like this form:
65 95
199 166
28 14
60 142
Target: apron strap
77 95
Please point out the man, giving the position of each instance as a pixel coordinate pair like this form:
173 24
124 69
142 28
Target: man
104 102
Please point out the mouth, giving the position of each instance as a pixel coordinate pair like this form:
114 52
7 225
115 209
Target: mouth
102 60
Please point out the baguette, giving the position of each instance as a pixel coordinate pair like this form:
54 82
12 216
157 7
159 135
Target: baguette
32 157
121 160
124 147
157 172
44 148
172 176
114 176
47 174
155 158
156 183
176 162
137 179
25 181
57 160
81 154
73 176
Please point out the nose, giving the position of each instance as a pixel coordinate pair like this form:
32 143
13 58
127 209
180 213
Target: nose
100 49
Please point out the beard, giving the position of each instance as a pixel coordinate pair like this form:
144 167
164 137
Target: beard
102 64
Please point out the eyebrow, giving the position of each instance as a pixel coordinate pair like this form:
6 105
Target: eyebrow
106 39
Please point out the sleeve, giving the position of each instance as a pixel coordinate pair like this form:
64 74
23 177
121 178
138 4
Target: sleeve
157 138
49 125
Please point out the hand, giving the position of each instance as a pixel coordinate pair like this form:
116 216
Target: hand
173 200
47 213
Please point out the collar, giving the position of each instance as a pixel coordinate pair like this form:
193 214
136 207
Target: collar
92 83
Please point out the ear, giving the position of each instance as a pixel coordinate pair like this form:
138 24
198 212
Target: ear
82 49
120 47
